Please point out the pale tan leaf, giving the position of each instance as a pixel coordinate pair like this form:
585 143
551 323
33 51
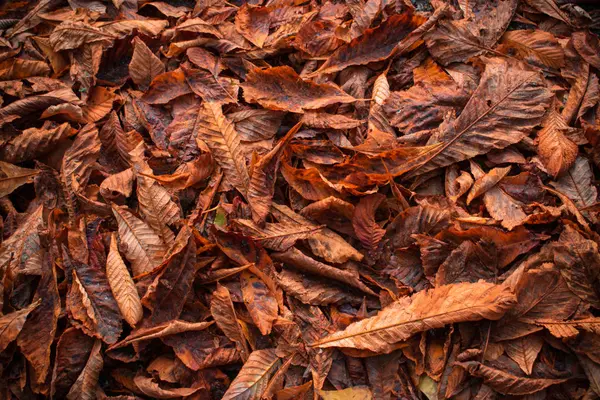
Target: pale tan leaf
153 390
142 246
13 176
122 285
124 27
144 65
253 378
430 309
276 236
119 183
556 150
222 139
158 208
351 393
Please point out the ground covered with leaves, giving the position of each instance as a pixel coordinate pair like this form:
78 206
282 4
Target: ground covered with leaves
370 199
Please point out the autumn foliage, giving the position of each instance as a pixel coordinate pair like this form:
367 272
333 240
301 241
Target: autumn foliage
280 199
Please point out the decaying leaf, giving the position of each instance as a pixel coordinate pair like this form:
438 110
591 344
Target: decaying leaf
359 199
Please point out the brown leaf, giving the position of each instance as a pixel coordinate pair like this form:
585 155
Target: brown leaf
33 143
72 352
366 228
587 46
210 88
142 246
73 34
36 336
460 40
157 207
276 236
12 323
486 182
424 310
222 139
144 65
305 263
254 376
534 47
550 8
577 184
152 389
166 87
260 302
506 383
90 301
253 23
167 294
14 177
374 45
160 331
556 150
222 310
261 186
508 103
281 88
122 285
85 386
579 263
524 351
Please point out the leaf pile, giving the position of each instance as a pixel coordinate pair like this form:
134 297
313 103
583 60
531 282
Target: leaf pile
299 200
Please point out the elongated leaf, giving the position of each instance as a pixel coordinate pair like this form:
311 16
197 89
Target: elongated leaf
122 285
259 300
253 378
261 186
71 35
577 184
222 310
281 88
506 383
85 386
425 310
33 143
144 248
374 45
220 136
276 236
157 207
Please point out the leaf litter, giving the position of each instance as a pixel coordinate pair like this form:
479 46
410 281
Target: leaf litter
299 200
